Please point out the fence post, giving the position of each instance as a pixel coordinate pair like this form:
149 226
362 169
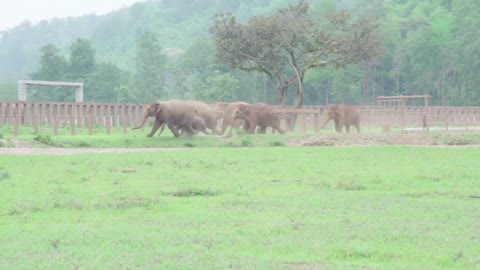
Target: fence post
123 119
108 119
56 117
72 118
16 119
303 123
90 119
35 117
316 122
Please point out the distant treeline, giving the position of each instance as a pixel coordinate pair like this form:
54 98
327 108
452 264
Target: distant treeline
163 49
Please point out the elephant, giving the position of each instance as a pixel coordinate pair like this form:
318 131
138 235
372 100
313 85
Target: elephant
198 125
177 114
342 115
228 116
207 113
260 114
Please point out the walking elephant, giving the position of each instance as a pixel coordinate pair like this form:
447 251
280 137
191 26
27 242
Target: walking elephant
207 113
177 114
198 125
260 114
342 115
229 119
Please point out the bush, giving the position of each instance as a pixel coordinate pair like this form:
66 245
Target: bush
44 139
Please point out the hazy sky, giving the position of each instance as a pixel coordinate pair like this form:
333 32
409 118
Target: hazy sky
13 12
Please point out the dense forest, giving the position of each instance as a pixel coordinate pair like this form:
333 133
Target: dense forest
167 49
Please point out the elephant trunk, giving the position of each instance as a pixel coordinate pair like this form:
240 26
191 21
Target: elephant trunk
145 116
324 123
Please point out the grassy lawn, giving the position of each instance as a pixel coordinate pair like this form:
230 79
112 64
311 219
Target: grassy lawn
385 207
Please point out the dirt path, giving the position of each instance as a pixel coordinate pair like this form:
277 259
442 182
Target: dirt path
72 151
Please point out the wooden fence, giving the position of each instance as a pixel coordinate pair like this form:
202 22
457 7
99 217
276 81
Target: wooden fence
125 115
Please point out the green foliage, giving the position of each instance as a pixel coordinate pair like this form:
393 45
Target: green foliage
8 91
52 64
107 83
44 139
287 43
222 87
100 79
82 59
429 47
150 64
122 94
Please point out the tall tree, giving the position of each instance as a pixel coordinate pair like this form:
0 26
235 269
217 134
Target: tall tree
104 83
466 24
53 67
82 59
52 64
289 42
150 65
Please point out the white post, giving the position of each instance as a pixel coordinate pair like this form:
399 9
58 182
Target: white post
79 93
22 91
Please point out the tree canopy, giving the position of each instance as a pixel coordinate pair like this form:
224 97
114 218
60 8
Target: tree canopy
289 42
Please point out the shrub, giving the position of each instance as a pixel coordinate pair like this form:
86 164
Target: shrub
47 140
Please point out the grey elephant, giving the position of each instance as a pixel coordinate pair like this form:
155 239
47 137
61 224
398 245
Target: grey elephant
207 113
229 119
198 125
177 114
342 115
259 114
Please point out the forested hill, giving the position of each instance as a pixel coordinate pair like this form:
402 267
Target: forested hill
177 22
427 47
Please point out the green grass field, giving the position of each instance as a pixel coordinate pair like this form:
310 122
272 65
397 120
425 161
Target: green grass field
385 207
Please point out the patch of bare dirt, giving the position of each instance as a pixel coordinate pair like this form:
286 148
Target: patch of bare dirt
344 139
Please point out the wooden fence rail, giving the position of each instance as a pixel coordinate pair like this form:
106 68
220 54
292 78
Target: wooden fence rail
125 115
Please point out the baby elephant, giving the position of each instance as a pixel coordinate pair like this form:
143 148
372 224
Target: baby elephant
198 125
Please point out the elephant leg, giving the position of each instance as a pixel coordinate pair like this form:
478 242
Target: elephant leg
189 130
338 126
357 126
347 128
225 124
278 128
250 128
204 131
262 130
161 128
156 126
213 127
173 129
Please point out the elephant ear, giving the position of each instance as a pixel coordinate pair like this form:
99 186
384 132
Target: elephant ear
334 107
157 107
